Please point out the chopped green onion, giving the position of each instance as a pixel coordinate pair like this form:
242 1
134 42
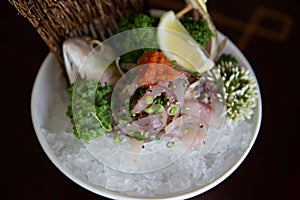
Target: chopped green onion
127 102
197 74
186 131
148 99
138 136
120 121
117 139
200 81
173 110
149 110
157 137
157 101
173 63
181 110
170 144
130 133
159 108
170 84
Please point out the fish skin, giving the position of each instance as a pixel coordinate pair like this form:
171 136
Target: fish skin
85 62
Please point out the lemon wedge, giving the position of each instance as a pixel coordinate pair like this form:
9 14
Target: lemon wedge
176 43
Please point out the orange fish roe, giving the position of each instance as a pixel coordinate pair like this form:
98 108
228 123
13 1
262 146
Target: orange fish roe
157 68
153 57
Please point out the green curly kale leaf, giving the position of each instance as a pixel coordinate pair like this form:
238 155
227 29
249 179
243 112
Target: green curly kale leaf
89 109
137 37
137 21
198 29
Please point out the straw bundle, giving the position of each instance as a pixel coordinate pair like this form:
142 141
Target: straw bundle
57 20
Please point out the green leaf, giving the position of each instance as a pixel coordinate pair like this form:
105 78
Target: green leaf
146 37
198 29
89 109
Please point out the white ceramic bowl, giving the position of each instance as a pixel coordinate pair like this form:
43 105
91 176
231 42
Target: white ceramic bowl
50 79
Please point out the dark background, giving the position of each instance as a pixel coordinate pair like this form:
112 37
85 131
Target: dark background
271 170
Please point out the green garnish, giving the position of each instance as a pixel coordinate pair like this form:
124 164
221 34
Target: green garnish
88 110
198 29
137 21
148 99
116 139
158 108
161 100
157 137
174 64
140 136
170 144
239 90
173 110
145 37
149 110
197 74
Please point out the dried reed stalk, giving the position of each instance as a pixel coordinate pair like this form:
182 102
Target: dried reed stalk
57 20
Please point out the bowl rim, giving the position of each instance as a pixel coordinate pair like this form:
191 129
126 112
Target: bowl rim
115 195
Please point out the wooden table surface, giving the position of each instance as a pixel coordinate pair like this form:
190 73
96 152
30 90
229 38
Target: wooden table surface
265 31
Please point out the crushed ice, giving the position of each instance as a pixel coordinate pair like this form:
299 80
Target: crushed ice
186 172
